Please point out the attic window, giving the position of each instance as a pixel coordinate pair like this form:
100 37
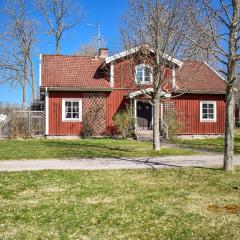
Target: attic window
143 74
71 109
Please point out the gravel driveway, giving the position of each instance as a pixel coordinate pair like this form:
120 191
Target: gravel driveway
116 163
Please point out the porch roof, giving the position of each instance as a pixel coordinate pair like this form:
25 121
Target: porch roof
146 91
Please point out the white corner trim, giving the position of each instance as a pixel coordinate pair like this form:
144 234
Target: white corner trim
214 111
46 111
134 50
40 70
80 110
112 74
215 71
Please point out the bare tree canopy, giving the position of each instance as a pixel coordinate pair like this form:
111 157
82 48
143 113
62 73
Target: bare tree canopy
60 16
16 48
223 20
163 27
91 48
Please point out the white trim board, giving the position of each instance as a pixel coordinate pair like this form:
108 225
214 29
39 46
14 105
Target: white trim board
46 112
134 50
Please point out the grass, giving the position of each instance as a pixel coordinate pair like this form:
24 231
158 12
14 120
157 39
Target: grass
210 144
88 148
126 204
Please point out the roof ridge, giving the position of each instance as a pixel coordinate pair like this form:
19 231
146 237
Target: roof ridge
65 55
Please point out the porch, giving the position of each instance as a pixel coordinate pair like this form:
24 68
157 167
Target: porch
143 114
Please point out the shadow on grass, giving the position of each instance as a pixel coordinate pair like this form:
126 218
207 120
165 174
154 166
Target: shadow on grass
82 144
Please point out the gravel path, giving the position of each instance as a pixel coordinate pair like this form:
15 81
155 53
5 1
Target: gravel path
204 161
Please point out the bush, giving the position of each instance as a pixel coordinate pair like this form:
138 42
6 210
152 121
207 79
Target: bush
124 123
170 118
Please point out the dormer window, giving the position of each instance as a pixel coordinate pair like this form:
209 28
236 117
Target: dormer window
143 74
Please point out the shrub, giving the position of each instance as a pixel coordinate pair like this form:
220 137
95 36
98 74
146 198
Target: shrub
124 123
170 118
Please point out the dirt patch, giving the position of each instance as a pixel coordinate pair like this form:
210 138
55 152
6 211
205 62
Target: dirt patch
230 209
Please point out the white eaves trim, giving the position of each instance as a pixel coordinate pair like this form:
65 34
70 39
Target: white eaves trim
134 50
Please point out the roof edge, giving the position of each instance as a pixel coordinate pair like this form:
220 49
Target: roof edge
78 89
134 50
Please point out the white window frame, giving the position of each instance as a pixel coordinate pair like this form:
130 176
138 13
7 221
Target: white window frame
79 119
143 66
214 111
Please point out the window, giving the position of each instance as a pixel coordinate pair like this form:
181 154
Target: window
208 111
143 74
72 110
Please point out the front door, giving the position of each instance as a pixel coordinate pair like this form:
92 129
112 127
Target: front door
144 115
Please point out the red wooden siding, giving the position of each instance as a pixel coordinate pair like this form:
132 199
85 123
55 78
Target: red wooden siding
116 101
124 75
187 107
56 125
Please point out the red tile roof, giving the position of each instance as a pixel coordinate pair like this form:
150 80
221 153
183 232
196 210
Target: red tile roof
198 76
72 71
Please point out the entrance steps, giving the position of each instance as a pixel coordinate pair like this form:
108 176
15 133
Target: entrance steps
145 135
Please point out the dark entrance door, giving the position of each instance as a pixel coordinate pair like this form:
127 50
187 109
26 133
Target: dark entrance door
144 115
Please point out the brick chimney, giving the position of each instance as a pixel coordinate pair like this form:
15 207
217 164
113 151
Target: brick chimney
103 52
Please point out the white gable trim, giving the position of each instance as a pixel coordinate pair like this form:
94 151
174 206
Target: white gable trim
134 50
112 74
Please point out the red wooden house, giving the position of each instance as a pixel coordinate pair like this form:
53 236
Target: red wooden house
73 85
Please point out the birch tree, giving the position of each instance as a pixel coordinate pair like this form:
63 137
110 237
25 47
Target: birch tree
60 16
223 19
162 28
16 48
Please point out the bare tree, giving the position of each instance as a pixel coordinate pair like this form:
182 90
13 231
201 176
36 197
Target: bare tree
60 15
16 48
91 48
223 20
162 28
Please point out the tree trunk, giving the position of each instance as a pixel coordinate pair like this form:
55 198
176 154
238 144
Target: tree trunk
58 50
24 97
229 130
231 79
33 82
24 93
156 124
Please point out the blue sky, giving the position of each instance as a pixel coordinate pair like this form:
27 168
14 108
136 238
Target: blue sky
105 12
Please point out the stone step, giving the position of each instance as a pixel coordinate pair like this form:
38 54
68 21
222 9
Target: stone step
147 135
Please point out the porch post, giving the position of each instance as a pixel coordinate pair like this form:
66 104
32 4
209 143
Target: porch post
135 110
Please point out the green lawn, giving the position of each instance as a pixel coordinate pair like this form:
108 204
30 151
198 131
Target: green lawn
211 144
126 204
88 148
